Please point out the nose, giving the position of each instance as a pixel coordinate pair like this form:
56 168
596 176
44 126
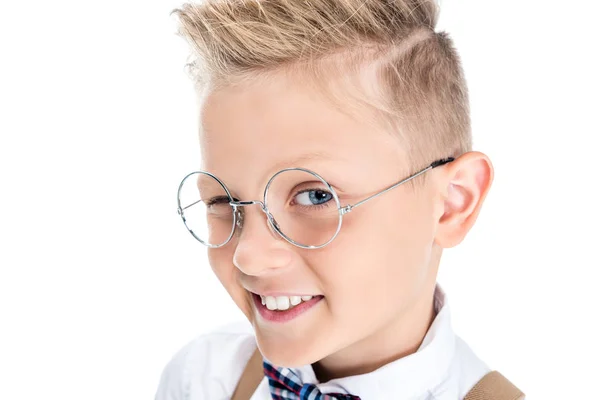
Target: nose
259 249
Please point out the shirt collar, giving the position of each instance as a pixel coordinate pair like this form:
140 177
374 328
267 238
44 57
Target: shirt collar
408 376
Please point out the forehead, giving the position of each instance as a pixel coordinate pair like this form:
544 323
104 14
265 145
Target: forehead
255 129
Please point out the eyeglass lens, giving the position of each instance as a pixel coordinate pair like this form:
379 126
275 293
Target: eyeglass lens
302 205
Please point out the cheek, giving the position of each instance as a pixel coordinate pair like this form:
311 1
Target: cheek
217 258
408 245
222 266
379 259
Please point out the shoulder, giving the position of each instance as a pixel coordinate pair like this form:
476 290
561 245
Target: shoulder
473 370
469 366
209 366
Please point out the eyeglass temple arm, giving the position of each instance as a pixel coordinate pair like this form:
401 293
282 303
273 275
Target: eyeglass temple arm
188 206
433 165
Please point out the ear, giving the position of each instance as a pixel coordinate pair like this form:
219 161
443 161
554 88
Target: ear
464 184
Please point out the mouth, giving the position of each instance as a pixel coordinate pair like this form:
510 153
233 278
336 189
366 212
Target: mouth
284 308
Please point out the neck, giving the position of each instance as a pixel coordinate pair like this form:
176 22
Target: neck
400 338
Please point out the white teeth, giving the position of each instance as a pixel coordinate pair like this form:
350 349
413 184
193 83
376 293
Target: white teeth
271 302
283 302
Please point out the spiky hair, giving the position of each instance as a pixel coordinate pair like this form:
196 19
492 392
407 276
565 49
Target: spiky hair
421 88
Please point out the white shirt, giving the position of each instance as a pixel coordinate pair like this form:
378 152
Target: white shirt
443 368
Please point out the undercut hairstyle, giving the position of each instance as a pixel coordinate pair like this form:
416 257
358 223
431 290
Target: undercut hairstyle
408 77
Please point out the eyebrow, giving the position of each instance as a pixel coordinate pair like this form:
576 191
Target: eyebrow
315 155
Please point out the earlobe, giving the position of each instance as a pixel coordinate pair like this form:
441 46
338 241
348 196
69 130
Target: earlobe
465 186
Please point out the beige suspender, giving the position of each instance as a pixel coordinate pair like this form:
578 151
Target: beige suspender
251 377
493 386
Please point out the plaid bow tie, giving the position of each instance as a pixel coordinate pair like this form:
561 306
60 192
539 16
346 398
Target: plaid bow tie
286 385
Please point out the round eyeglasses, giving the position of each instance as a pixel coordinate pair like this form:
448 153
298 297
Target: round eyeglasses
299 205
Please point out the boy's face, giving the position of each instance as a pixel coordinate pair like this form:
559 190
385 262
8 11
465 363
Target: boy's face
378 274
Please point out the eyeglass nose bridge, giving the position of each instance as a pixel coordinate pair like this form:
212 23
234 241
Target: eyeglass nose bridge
248 203
236 204
239 217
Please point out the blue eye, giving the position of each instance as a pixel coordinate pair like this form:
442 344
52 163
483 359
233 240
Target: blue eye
312 197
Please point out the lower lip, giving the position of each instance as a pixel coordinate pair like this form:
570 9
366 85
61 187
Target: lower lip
286 315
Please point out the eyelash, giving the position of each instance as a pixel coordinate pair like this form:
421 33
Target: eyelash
218 200
317 206
222 199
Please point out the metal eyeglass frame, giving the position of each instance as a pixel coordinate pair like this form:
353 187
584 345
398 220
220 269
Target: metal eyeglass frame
238 217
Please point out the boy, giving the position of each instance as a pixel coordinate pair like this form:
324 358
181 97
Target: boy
313 113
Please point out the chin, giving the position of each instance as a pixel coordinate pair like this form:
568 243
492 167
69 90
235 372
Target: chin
285 353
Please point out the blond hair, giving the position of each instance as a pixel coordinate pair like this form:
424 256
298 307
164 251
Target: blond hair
421 89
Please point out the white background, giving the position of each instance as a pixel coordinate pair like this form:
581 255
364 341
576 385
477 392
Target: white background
100 283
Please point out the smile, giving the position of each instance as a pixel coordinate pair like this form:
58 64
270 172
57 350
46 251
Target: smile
283 308
283 303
